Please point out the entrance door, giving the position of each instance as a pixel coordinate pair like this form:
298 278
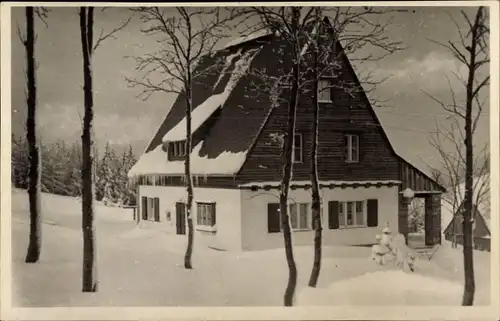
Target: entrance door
180 218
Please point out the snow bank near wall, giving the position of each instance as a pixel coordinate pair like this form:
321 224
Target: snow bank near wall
385 288
156 162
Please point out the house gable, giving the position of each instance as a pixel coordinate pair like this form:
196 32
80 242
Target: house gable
346 113
247 129
455 225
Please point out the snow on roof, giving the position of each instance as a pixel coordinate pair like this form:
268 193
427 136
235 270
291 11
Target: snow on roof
229 61
201 113
308 42
156 162
246 38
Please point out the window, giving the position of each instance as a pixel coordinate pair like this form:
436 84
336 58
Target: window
344 214
324 90
298 150
205 214
299 213
351 214
352 148
178 149
150 208
299 216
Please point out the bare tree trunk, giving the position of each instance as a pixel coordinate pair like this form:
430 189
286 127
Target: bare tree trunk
315 197
189 181
474 49
34 247
470 287
287 167
89 280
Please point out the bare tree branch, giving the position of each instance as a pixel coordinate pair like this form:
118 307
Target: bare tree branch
42 13
111 34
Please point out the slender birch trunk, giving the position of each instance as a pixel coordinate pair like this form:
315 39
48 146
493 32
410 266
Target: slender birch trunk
189 181
287 161
315 197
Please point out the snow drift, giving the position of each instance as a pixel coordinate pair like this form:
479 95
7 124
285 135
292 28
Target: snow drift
384 288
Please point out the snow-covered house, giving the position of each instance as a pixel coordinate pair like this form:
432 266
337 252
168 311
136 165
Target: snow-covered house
452 218
236 165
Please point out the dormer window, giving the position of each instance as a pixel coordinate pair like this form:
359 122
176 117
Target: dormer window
177 149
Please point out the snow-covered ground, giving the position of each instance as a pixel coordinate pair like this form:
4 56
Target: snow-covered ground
139 266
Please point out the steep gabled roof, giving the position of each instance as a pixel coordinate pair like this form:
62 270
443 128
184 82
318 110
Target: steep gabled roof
480 226
224 149
483 206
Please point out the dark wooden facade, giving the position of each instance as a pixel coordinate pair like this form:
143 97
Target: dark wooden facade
414 179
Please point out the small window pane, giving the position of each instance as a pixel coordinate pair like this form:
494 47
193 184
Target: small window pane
323 90
342 214
297 140
359 213
208 213
350 210
355 148
304 215
297 148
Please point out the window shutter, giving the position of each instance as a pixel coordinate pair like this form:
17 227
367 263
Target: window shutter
372 213
213 214
333 215
273 218
144 208
157 209
293 212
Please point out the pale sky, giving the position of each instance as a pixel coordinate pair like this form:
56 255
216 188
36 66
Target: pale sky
121 118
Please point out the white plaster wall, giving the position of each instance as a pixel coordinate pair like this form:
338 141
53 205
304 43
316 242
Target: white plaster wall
254 217
228 212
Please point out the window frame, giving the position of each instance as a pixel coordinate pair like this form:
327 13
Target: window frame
343 208
301 148
326 88
150 209
299 206
177 149
206 216
349 148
